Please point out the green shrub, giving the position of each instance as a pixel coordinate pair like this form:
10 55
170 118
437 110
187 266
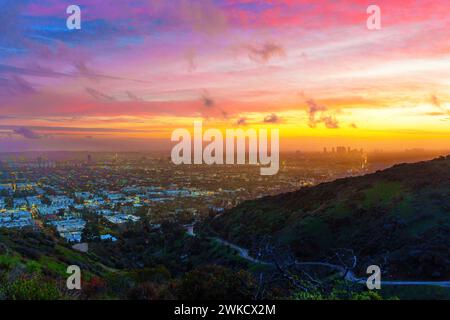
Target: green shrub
31 288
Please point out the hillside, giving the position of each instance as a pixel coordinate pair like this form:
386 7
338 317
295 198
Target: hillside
398 218
145 265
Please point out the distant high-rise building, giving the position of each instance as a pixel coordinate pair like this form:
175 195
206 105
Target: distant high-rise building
89 159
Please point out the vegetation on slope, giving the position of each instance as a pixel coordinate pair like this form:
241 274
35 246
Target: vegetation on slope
398 218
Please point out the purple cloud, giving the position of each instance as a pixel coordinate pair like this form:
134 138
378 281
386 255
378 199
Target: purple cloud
263 53
26 133
329 121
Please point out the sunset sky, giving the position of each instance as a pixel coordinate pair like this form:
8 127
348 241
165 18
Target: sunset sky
139 69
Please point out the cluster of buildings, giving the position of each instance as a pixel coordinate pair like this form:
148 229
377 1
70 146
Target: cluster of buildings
68 192
15 219
70 229
64 210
